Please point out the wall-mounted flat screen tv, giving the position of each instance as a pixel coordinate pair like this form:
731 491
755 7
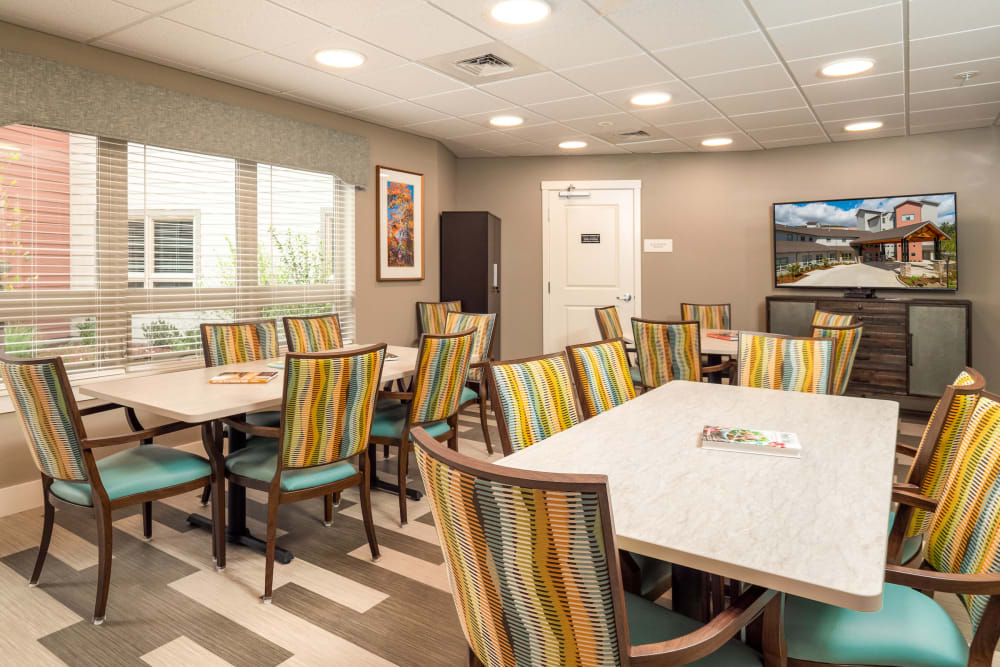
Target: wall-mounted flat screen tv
906 242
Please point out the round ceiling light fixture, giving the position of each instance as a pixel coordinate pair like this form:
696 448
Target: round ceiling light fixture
863 126
849 67
650 99
572 145
520 12
506 121
717 141
339 58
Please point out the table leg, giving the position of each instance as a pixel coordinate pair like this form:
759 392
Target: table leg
690 593
382 485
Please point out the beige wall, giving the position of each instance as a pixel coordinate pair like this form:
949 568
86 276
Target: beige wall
716 208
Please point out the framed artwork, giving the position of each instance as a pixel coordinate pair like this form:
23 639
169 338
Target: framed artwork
399 224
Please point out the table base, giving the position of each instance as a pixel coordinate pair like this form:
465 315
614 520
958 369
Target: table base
245 539
389 487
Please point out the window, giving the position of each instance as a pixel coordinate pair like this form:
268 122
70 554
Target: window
171 261
909 217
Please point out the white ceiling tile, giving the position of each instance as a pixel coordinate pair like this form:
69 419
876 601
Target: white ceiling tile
889 122
615 122
477 14
70 18
798 141
699 128
807 130
530 117
395 114
341 94
445 128
934 17
769 100
752 80
955 48
546 133
721 55
670 113
874 134
657 24
522 149
755 121
780 12
937 78
153 6
581 44
616 74
658 146
160 39
256 23
955 114
490 140
465 151
954 97
888 58
409 81
463 102
341 12
576 107
533 89
679 93
947 127
843 32
878 106
855 89
274 73
303 51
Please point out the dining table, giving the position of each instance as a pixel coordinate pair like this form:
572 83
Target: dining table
815 526
189 396
716 344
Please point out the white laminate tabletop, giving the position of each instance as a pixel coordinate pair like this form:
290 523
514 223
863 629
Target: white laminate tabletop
188 396
815 526
711 345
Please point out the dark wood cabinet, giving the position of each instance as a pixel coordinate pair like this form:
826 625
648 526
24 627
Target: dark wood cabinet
470 263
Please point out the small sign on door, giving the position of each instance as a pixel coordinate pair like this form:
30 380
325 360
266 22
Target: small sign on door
590 238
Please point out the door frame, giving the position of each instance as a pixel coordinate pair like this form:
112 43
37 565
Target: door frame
636 187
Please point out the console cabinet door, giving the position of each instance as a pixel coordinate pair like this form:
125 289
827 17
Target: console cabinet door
938 346
790 318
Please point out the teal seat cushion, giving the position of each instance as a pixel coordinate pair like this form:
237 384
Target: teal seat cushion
649 623
654 574
636 375
137 470
389 421
468 394
259 459
269 418
911 545
911 630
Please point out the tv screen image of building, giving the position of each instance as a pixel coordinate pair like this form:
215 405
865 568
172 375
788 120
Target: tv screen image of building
904 242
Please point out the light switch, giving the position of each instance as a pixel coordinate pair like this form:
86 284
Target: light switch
658 245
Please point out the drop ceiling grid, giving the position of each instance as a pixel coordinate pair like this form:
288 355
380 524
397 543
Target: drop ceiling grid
745 68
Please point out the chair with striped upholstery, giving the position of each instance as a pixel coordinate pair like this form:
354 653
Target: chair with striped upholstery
610 327
600 372
846 339
821 318
535 578
433 315
313 333
64 455
670 351
962 557
786 363
439 376
474 390
708 315
327 409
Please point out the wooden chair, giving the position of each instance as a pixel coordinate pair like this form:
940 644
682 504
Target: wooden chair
610 328
670 351
482 355
601 375
846 339
821 318
432 315
327 408
533 565
313 333
787 363
962 557
709 315
64 454
440 373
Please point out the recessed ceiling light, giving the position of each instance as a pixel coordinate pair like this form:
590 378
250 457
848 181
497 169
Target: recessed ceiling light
848 67
863 126
506 121
717 141
340 58
650 99
520 12
8 147
573 144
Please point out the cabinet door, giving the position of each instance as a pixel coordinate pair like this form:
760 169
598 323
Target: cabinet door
791 318
938 346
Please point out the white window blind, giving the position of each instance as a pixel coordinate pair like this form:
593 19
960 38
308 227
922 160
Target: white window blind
112 253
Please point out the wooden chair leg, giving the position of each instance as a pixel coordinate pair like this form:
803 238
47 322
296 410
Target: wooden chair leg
219 522
474 659
482 418
206 494
336 499
272 536
385 451
328 510
104 529
147 520
43 546
404 456
366 507
774 647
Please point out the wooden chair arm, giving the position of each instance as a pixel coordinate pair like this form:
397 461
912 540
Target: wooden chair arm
94 409
253 429
398 395
708 638
718 368
135 436
913 499
479 364
945 582
908 450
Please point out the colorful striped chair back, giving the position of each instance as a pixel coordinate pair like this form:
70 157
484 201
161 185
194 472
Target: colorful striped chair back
482 341
329 401
608 323
602 376
316 333
708 315
531 558
964 535
770 361
846 339
432 315
237 342
667 351
940 442
821 318
41 394
442 366
533 399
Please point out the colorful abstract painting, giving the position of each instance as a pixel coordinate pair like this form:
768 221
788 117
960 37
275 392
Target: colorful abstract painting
400 224
400 232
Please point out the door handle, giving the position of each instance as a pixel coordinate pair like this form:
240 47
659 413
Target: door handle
625 297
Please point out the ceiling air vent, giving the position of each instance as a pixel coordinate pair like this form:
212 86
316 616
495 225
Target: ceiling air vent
634 133
485 65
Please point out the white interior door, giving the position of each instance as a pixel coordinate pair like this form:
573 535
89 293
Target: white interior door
591 257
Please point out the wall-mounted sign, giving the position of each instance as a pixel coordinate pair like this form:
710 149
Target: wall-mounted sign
658 245
590 238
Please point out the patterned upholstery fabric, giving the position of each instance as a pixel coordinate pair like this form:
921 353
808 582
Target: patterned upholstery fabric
483 324
328 408
667 351
46 418
442 366
608 323
821 318
528 568
602 376
710 315
434 315
964 535
313 334
788 364
536 399
959 410
240 341
845 348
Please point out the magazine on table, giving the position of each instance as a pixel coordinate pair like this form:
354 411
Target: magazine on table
252 377
724 335
752 441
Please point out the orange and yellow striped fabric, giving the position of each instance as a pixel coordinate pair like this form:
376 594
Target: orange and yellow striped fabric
433 315
964 535
237 342
483 324
788 364
46 415
958 411
528 567
608 323
667 351
535 399
708 315
313 334
329 403
442 366
845 348
603 380
821 318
